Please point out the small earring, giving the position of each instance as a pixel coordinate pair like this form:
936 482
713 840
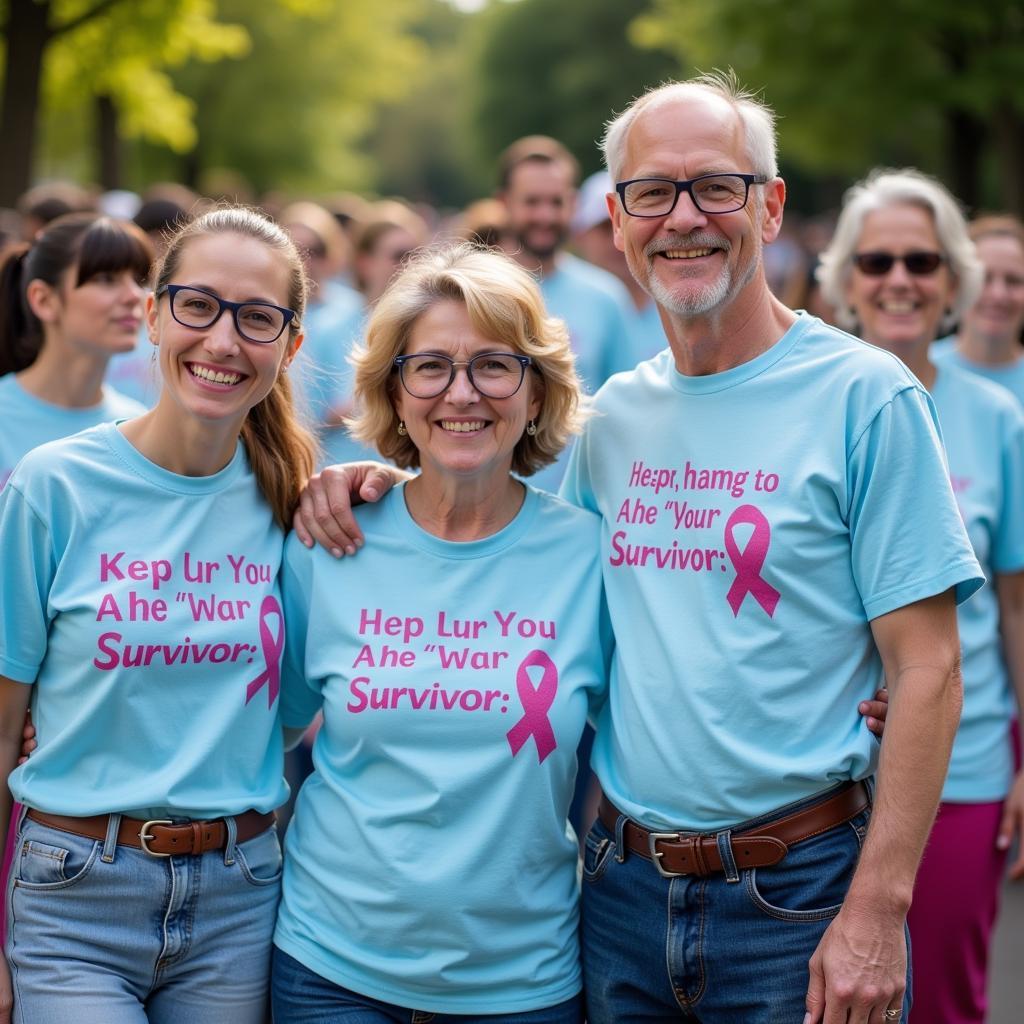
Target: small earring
531 427
401 428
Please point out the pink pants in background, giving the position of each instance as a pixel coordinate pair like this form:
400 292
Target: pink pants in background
953 914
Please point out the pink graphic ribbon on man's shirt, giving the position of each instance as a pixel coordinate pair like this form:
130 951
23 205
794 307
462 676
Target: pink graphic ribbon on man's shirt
273 648
536 703
749 563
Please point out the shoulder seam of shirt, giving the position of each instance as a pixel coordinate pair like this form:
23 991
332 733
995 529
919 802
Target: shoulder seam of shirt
901 390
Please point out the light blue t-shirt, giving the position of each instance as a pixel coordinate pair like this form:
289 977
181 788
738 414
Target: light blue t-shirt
983 429
429 862
1011 377
321 375
136 373
648 333
144 605
597 310
29 421
754 522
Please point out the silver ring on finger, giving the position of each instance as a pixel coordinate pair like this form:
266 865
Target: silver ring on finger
894 1013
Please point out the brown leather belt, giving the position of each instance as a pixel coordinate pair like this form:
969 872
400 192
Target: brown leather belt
160 837
680 853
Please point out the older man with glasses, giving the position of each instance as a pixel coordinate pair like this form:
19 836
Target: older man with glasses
779 532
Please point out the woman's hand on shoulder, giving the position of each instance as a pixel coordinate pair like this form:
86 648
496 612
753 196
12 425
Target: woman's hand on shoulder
324 515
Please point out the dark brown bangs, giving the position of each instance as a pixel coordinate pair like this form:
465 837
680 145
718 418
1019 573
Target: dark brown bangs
111 246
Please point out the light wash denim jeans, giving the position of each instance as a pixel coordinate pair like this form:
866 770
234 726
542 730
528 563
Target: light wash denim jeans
302 996
714 950
104 934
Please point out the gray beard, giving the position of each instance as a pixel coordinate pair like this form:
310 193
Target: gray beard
701 302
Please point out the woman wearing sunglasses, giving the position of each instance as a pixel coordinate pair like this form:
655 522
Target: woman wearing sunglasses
141 618
900 270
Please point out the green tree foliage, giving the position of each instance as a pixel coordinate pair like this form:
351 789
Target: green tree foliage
291 113
422 144
857 82
285 111
62 54
560 68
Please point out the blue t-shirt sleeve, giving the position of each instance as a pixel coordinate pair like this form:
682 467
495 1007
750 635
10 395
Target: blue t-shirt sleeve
1008 545
29 566
300 698
576 486
907 538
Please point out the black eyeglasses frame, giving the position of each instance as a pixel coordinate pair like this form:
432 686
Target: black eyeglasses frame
523 361
223 304
687 186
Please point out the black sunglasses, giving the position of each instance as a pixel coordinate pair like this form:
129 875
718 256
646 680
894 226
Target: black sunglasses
877 264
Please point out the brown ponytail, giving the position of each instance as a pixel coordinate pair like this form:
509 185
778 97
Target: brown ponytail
281 451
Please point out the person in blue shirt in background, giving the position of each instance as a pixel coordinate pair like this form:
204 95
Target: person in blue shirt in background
69 301
142 619
537 184
900 268
988 341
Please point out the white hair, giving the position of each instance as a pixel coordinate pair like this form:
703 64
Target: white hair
882 188
757 118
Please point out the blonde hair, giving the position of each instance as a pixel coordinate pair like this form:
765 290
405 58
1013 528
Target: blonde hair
281 451
504 304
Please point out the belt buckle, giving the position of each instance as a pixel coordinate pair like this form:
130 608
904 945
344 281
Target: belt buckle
144 836
656 855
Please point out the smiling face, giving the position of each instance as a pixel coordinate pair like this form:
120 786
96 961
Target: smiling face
693 263
999 312
103 314
540 199
462 433
213 374
900 311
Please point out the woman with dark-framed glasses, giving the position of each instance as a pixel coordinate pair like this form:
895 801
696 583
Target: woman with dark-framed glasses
430 871
900 270
141 618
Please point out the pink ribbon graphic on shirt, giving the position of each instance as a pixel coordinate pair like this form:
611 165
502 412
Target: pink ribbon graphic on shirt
273 648
536 704
748 564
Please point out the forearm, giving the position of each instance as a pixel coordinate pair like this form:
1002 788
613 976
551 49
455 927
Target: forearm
924 711
1011 630
13 704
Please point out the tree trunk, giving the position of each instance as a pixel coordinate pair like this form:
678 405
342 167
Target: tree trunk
1008 129
108 143
27 32
965 143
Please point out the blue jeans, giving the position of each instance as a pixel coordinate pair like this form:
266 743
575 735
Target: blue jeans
300 996
104 934
716 950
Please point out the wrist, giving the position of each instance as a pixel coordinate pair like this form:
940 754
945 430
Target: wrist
887 900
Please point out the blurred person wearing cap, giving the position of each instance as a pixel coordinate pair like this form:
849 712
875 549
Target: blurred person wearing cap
537 184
